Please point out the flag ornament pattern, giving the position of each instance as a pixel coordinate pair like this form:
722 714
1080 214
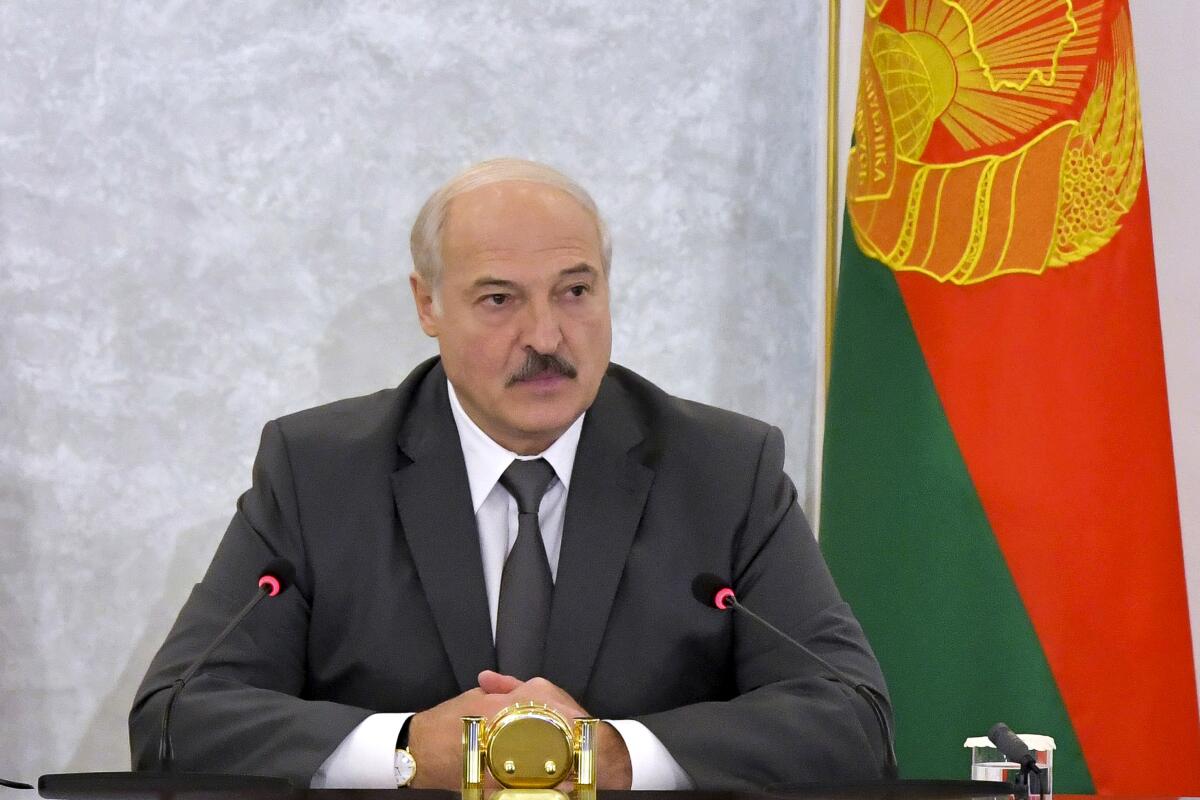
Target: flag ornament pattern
936 72
998 498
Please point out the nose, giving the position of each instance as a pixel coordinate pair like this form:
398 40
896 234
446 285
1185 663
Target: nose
542 330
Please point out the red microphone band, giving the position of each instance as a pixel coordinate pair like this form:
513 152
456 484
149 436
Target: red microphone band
724 598
270 583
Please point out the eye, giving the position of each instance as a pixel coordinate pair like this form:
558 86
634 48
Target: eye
579 290
495 299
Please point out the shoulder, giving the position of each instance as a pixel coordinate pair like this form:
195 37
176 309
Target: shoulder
675 424
357 423
349 418
714 469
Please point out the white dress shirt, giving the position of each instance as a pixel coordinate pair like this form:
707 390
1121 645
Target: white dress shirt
364 759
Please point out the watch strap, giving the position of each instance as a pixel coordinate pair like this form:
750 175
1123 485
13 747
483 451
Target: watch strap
402 737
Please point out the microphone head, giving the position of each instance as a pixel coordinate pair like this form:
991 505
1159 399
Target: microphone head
713 591
1009 743
277 575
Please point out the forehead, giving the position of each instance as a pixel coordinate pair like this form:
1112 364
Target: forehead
518 220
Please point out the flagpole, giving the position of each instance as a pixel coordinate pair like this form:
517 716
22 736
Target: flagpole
831 218
831 181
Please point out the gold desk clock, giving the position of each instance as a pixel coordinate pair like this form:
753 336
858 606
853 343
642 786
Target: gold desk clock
529 748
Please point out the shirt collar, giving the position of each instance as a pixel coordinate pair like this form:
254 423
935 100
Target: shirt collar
486 460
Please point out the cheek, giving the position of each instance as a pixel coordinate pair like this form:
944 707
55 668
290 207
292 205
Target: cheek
599 340
485 354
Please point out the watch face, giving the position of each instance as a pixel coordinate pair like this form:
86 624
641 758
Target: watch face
406 767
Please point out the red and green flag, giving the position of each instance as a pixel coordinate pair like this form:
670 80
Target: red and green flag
998 499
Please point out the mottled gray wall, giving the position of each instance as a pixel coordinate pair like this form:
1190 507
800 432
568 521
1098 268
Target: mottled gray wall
204 211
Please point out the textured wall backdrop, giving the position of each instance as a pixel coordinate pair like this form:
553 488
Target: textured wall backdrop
204 210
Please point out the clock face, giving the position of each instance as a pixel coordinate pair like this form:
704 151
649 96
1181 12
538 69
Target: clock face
406 767
530 747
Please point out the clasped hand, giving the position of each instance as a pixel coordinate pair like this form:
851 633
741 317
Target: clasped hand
435 735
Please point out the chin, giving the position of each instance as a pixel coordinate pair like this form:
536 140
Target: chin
548 421
541 424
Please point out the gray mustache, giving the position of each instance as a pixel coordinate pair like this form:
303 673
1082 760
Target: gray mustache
537 363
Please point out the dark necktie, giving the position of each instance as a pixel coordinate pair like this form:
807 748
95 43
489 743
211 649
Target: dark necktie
525 585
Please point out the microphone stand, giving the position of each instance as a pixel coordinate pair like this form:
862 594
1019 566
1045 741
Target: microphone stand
166 749
890 767
1031 774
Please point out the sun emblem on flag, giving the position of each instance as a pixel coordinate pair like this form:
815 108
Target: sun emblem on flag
974 154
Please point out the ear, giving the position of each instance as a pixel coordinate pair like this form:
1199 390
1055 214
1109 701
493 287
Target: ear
423 297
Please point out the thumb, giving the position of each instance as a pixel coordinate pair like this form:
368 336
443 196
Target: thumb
496 683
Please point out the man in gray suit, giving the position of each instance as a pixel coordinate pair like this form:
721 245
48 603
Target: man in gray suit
519 520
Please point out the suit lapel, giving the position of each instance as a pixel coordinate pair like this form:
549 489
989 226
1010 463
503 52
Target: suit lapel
433 500
604 505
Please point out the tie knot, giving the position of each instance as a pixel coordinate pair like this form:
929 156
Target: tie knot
526 481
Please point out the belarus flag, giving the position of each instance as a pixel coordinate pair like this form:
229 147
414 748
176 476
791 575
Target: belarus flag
999 498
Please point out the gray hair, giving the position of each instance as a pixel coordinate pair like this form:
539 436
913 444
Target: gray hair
426 238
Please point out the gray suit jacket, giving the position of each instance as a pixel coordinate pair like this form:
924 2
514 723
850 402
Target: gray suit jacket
369 499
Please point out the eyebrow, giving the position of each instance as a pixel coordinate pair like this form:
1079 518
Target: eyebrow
582 268
499 283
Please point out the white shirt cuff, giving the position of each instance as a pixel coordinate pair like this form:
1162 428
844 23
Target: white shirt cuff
366 758
653 766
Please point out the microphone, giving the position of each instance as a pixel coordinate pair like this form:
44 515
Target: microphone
714 592
276 576
1011 746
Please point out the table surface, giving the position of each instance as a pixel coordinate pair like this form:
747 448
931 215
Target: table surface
903 790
